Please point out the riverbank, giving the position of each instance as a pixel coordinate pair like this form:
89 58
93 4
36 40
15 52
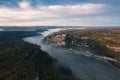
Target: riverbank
94 40
20 60
84 68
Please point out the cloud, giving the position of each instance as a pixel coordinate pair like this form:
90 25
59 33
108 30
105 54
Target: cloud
41 14
75 9
24 5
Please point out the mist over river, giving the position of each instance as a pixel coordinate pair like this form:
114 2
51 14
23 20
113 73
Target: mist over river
83 67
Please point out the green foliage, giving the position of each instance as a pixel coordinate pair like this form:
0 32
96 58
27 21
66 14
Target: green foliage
20 60
15 35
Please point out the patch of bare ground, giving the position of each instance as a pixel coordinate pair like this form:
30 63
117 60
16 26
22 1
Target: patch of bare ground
114 48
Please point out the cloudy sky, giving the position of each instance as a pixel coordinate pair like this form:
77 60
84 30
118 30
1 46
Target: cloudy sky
60 12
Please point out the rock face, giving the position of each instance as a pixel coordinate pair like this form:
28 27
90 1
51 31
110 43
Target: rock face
58 39
80 40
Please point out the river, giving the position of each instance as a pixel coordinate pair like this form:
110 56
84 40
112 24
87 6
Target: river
83 67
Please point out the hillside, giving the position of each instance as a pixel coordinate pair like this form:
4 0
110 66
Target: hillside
100 41
20 60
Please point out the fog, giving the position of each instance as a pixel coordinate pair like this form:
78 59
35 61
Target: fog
50 31
83 67
1 29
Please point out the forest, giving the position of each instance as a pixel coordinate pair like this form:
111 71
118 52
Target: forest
102 41
21 60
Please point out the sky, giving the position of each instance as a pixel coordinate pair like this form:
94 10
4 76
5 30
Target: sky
59 12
